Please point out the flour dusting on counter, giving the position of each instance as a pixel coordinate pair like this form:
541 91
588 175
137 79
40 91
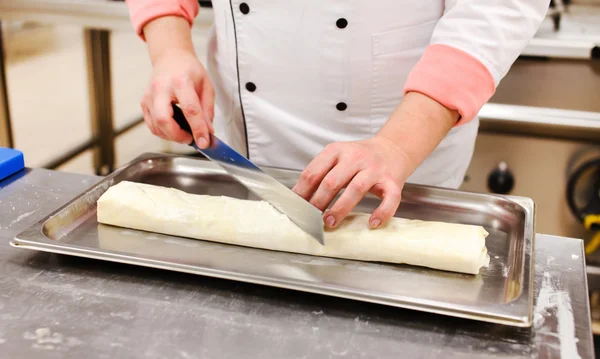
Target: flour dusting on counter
558 301
20 218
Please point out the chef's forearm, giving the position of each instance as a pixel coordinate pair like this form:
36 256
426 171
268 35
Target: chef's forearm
471 49
417 126
167 34
143 12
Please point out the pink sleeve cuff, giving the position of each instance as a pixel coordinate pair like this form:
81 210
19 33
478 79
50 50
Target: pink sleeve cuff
453 78
143 11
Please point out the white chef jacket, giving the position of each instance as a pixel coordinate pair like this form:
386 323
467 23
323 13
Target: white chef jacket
293 76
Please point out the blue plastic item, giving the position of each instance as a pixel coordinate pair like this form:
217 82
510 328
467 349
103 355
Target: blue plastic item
11 161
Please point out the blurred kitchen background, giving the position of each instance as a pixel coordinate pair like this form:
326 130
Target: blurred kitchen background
74 73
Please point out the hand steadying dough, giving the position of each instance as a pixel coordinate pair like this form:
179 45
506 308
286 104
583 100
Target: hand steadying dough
445 246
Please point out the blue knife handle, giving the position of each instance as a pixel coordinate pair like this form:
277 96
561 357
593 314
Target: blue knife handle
218 150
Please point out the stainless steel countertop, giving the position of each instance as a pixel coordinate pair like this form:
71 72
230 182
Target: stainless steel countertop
54 306
579 33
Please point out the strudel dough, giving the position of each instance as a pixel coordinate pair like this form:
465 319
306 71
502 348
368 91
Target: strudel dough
445 246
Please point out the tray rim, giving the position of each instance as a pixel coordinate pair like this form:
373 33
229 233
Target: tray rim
45 244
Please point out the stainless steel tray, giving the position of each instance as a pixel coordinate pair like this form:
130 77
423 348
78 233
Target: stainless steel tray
501 293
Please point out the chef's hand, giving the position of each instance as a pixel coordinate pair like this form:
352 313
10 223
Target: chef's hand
376 165
379 165
177 77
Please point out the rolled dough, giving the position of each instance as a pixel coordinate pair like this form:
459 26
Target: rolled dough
439 245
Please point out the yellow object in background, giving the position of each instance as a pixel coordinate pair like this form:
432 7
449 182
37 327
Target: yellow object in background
593 244
590 220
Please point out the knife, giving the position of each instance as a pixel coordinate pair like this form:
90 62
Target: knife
299 211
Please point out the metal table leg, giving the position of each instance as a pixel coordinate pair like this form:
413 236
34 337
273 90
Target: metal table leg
99 85
6 138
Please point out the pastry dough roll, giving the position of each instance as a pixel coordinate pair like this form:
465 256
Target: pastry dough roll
439 245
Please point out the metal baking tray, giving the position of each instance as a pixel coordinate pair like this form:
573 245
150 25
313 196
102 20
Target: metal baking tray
502 293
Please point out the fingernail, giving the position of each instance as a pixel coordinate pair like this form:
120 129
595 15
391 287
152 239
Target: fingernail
202 142
375 223
330 221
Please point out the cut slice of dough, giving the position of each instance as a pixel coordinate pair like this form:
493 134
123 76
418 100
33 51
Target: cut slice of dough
445 246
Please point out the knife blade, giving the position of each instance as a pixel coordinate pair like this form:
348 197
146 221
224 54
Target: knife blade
306 216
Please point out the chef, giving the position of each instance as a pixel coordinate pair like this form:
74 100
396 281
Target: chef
360 95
